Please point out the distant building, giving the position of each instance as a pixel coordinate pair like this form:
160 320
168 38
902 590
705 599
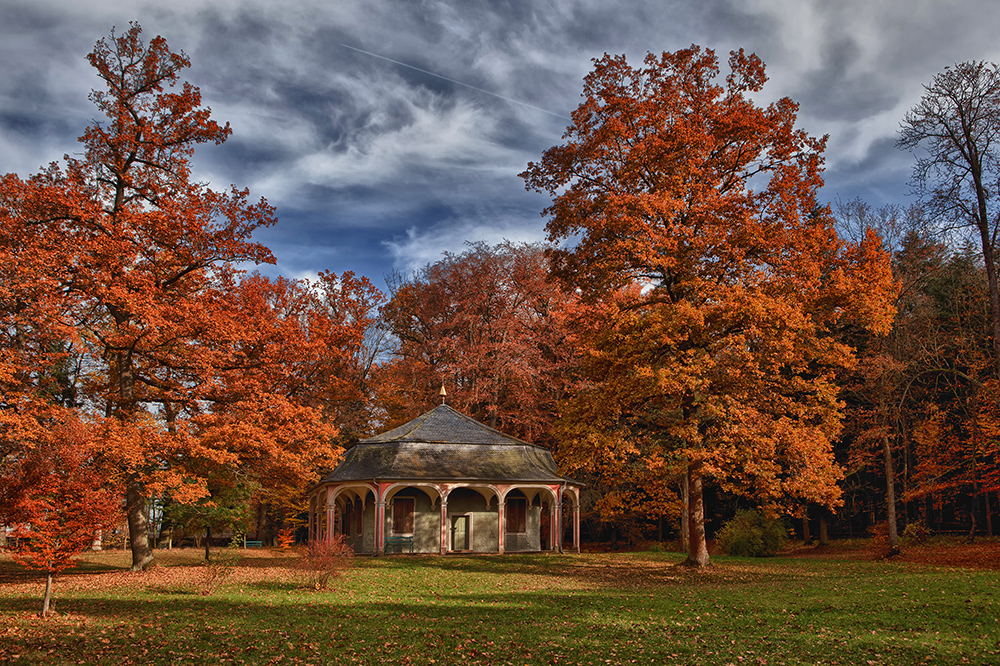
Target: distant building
446 483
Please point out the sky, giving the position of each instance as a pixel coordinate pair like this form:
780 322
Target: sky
386 132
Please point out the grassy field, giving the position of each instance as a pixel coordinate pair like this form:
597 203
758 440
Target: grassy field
622 608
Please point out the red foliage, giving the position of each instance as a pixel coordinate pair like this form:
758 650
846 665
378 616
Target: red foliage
490 326
57 498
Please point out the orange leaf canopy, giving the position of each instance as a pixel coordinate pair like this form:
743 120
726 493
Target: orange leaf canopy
690 212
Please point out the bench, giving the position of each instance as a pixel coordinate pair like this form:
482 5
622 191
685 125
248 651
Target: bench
399 541
247 543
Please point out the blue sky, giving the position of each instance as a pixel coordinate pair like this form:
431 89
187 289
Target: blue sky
386 132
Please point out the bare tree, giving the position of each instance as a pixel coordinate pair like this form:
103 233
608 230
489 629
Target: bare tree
957 123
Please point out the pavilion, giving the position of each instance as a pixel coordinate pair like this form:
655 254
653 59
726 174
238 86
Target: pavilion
446 483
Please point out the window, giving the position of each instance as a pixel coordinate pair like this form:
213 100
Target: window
402 515
517 514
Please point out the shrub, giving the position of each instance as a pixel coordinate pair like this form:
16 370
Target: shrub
323 561
218 570
286 538
751 534
917 531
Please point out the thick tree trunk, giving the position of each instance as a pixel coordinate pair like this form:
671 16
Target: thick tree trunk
685 513
697 545
48 594
138 529
890 497
261 523
824 533
806 536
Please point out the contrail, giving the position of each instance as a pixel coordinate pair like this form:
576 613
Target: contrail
458 83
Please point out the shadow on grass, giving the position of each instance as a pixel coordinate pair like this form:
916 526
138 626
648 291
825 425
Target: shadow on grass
608 570
385 625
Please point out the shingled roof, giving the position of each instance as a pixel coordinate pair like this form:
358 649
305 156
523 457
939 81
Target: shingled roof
444 444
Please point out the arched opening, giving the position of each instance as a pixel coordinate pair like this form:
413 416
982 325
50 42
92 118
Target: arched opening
471 521
412 519
569 520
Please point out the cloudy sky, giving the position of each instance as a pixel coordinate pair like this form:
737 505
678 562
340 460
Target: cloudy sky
388 131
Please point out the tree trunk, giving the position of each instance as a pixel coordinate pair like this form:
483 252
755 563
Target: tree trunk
261 522
806 536
138 529
48 594
890 497
972 513
697 545
824 534
989 518
208 543
989 262
685 513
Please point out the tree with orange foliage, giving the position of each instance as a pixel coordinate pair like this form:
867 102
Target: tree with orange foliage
57 497
691 213
124 262
292 387
490 326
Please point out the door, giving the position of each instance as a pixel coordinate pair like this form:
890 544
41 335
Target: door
460 532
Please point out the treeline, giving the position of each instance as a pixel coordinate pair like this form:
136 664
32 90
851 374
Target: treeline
701 335
923 404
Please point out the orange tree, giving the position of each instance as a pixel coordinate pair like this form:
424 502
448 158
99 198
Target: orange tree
121 261
290 389
57 496
691 212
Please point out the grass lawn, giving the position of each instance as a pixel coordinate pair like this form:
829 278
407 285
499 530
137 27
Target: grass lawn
620 608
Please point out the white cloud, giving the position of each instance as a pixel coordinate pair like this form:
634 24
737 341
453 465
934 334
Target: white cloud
341 138
420 247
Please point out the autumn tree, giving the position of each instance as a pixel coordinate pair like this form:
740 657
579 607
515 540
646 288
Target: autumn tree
957 126
121 258
691 212
292 388
877 421
56 495
490 326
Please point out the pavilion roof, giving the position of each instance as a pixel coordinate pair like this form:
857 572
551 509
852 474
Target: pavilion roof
443 445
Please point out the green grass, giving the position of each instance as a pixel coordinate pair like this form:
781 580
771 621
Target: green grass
635 608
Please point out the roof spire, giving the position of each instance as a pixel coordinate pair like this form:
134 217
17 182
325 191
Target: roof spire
442 393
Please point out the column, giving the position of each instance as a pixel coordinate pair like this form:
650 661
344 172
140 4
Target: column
501 505
559 524
380 526
444 525
553 527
